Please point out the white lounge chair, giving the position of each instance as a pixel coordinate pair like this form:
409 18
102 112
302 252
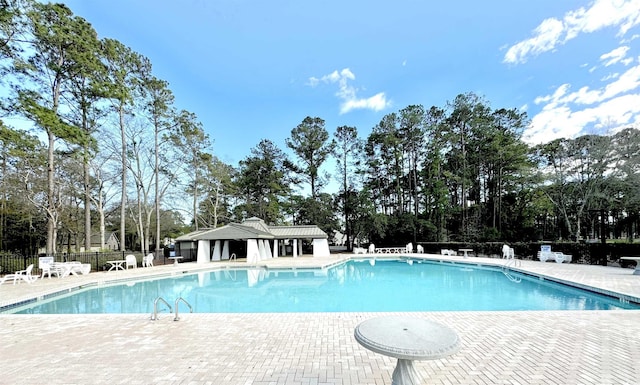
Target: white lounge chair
21 275
130 260
545 254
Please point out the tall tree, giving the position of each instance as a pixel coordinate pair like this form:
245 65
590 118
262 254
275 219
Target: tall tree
140 165
220 190
553 163
124 70
412 133
434 175
502 158
347 147
190 139
86 90
469 115
310 142
159 103
384 155
56 55
264 179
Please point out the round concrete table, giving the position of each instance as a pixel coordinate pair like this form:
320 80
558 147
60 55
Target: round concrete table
407 339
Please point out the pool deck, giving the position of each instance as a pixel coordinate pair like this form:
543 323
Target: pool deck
527 347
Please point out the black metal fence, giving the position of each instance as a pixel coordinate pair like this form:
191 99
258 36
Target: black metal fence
10 263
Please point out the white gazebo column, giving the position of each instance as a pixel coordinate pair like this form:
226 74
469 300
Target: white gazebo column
267 249
295 248
300 247
203 252
225 250
263 254
216 251
320 248
275 248
253 253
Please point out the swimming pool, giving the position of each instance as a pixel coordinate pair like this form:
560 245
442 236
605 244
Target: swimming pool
357 285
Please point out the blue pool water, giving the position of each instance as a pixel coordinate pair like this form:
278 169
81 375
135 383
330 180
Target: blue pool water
384 286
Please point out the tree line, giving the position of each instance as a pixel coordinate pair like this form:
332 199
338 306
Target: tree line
92 143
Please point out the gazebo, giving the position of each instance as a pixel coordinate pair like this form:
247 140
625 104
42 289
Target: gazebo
252 238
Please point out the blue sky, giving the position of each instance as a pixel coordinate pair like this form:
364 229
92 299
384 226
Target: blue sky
253 69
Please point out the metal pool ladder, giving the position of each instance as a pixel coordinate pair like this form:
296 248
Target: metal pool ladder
154 316
506 271
178 300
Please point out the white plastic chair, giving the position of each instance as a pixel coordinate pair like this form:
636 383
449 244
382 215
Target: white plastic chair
147 261
130 260
21 275
47 269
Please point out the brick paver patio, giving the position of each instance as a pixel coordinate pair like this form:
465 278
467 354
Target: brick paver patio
541 347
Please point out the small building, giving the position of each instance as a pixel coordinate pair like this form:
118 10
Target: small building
252 239
111 242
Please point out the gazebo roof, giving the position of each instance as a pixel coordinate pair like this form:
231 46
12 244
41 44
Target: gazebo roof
300 231
230 231
255 228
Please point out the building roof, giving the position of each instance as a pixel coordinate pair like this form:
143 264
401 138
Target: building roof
301 231
95 238
254 228
256 223
190 236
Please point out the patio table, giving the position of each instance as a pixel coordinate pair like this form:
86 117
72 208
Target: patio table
465 251
175 260
637 259
407 339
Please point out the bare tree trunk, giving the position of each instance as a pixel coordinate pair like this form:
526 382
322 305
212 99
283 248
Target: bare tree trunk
195 198
123 194
143 237
51 217
87 206
157 189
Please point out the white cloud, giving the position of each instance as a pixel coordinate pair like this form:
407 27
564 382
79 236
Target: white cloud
615 56
614 75
377 102
348 94
628 81
568 114
546 36
552 32
558 121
